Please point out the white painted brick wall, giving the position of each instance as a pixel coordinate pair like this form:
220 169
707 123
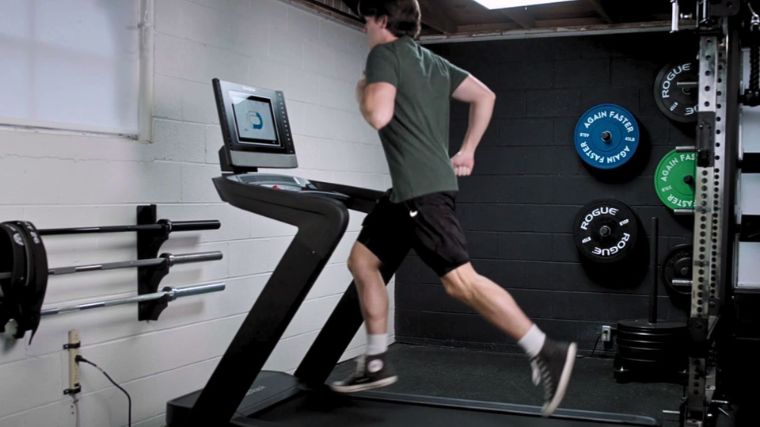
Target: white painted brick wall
60 179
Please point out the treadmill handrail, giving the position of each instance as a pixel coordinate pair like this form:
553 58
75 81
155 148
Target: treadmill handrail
360 199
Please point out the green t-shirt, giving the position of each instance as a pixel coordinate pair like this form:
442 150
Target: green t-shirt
416 141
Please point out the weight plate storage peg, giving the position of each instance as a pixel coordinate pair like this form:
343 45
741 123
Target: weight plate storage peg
675 91
605 231
674 179
606 136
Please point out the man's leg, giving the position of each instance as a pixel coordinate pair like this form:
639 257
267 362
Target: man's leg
552 361
489 299
365 268
372 370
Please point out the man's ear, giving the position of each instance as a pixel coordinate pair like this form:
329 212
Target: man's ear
383 21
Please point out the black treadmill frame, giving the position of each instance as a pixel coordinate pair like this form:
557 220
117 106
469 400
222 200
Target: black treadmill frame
238 387
321 223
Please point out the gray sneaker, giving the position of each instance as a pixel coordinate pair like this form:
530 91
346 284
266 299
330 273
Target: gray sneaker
552 368
371 372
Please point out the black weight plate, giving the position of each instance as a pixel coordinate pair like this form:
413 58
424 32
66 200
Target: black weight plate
675 91
649 351
651 331
677 265
34 294
664 352
654 339
643 325
605 231
641 363
651 339
12 260
669 340
653 362
661 354
21 289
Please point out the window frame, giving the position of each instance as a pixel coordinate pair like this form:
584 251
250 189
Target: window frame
144 101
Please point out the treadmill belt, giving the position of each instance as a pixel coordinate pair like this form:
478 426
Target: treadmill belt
341 411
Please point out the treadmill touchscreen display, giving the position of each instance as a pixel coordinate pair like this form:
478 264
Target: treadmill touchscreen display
254 119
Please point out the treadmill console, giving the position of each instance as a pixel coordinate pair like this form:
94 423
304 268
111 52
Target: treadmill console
257 134
255 128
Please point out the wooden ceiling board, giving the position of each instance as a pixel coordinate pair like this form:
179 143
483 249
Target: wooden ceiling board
460 18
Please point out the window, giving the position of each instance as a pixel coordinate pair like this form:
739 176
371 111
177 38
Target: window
70 64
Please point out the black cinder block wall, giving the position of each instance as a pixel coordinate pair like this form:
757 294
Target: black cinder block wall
528 184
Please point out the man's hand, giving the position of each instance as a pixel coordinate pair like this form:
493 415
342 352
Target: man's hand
463 162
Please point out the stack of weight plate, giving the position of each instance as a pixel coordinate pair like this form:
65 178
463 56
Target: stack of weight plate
649 350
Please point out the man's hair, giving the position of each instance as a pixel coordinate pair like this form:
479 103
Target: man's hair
403 15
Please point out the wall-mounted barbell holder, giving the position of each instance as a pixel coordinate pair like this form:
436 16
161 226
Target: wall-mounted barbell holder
149 241
24 271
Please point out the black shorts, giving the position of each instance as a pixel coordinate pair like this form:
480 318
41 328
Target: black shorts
427 224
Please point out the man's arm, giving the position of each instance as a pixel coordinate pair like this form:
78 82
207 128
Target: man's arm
481 100
376 102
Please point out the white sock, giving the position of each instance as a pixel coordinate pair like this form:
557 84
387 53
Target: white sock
376 344
532 341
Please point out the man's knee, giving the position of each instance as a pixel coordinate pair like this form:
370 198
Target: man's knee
357 265
361 261
460 283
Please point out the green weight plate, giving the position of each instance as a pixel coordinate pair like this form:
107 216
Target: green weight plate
674 179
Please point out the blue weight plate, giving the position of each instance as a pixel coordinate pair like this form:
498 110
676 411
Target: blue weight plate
606 136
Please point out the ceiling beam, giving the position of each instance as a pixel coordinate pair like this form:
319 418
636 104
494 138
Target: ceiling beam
335 11
586 30
435 18
599 9
487 28
520 16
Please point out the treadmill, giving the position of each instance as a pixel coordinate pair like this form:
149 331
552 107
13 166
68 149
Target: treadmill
256 131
